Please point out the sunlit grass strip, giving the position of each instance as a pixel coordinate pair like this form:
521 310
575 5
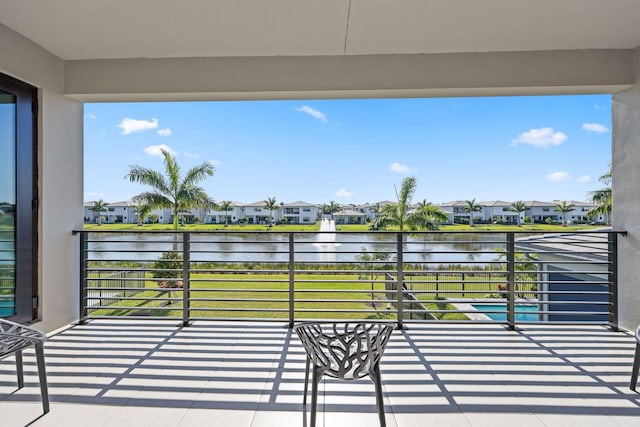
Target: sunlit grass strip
260 296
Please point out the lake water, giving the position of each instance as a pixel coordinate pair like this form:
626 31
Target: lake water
308 247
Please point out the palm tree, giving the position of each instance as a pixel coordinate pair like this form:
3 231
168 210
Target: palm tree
427 217
171 190
602 198
331 208
225 206
143 211
98 207
518 206
564 207
272 205
471 208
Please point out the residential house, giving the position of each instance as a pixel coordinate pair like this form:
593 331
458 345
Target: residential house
349 216
499 211
301 212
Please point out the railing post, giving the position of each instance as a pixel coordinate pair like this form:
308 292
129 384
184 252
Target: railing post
292 273
464 278
612 248
84 247
186 277
511 275
400 280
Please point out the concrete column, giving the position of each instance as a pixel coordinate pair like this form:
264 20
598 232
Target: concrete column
626 197
61 197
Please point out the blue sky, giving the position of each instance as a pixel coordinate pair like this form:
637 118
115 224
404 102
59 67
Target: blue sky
356 151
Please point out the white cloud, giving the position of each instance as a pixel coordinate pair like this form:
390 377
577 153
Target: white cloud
91 116
191 155
155 150
543 137
595 127
558 177
164 132
215 162
399 168
132 125
343 193
584 179
313 113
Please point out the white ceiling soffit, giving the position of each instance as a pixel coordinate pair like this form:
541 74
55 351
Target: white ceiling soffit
101 29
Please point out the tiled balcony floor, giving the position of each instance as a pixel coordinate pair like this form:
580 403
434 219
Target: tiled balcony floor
148 373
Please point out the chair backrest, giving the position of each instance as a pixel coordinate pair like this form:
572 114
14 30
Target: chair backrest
344 350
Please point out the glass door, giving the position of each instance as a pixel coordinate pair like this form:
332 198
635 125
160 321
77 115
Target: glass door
18 200
7 204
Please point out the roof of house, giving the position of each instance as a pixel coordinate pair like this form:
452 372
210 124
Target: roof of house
500 203
300 203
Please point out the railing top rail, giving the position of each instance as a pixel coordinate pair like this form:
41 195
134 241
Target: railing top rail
462 232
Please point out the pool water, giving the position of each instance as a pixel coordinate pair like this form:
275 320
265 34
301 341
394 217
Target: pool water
7 308
524 312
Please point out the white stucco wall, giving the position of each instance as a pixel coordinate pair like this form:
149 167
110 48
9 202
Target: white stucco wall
626 199
61 190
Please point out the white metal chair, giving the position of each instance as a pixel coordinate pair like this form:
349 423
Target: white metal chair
14 338
347 351
636 362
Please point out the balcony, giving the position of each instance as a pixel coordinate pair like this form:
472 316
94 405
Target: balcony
158 373
216 346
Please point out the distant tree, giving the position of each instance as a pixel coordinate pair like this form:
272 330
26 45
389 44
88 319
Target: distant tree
370 262
564 207
423 204
143 211
171 190
400 214
331 208
470 208
225 206
98 207
519 207
602 198
272 205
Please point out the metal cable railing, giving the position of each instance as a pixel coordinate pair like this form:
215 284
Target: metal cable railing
504 277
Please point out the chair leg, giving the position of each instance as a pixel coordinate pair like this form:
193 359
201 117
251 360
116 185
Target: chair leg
306 381
42 374
314 396
636 367
377 380
19 368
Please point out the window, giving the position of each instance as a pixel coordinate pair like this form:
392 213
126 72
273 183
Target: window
545 209
18 200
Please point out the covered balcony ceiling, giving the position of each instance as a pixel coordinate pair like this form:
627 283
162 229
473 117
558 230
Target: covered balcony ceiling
81 30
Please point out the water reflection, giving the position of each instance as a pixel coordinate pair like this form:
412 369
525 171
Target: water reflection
273 247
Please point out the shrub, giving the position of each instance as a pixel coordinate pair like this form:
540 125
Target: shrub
167 261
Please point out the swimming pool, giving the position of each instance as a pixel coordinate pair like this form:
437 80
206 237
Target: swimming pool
523 311
7 308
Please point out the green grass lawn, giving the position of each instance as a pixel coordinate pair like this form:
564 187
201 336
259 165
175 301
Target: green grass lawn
318 296
216 295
